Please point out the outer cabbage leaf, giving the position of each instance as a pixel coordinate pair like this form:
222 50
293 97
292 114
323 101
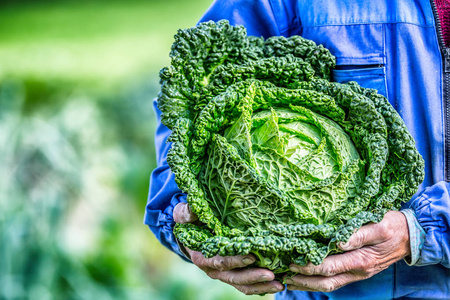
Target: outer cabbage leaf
276 159
208 58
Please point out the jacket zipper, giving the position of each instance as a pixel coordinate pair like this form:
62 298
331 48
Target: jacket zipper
445 90
446 97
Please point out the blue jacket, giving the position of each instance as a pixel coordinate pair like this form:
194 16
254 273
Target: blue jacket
392 46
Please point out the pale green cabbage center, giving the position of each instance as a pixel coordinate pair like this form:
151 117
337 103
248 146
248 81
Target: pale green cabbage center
291 166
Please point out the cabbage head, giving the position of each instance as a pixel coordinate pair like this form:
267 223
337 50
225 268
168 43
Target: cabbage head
276 159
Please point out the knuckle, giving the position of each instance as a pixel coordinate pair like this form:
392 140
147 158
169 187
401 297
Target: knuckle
369 273
384 231
328 287
360 237
362 266
329 271
365 265
360 263
312 270
231 280
309 269
219 263
368 270
229 263
245 290
249 292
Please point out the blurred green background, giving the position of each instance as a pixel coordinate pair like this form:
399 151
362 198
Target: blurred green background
77 79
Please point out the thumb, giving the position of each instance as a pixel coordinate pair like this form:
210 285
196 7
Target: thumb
366 235
182 213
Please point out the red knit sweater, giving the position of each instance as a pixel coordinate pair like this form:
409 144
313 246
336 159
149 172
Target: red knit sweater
443 8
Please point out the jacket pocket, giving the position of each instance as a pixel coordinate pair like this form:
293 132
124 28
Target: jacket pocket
368 76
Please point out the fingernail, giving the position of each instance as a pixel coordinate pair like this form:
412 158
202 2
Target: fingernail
289 281
295 269
274 290
247 260
343 245
266 278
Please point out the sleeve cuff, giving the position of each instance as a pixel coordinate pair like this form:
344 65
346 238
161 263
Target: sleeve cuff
416 236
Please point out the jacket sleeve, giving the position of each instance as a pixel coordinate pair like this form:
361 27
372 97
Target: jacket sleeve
432 209
164 193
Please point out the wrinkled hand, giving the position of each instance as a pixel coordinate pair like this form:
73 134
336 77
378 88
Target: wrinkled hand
370 250
230 269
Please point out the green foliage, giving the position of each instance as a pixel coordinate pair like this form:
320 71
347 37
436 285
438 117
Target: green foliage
60 39
47 159
275 158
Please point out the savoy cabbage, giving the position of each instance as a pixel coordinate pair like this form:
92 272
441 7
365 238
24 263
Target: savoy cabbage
276 159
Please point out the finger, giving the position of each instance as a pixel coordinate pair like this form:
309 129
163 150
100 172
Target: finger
183 214
335 264
243 276
320 283
260 288
370 234
222 263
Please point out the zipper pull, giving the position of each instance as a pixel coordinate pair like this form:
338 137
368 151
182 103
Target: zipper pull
447 59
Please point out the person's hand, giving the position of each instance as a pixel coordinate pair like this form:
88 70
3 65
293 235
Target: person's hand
232 270
370 250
